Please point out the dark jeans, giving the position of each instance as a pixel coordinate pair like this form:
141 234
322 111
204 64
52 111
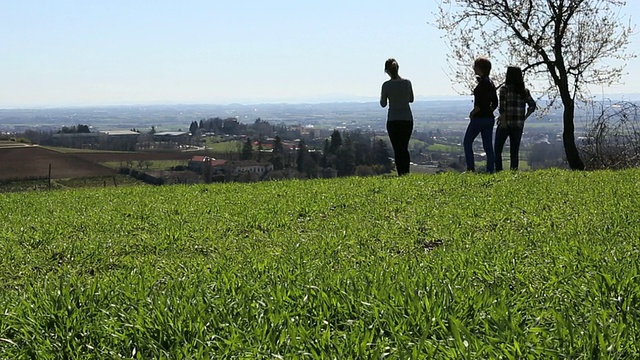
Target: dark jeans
400 134
514 133
477 126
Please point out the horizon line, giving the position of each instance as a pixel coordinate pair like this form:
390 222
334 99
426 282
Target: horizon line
317 101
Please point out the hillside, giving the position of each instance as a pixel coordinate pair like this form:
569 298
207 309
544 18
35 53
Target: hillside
28 162
513 265
20 162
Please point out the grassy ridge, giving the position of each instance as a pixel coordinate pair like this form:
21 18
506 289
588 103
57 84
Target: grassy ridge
525 265
42 184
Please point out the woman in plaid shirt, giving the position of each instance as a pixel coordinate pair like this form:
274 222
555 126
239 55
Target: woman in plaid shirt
514 100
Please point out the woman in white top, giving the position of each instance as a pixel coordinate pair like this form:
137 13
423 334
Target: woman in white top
398 93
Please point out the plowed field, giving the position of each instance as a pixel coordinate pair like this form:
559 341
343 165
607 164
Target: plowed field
25 162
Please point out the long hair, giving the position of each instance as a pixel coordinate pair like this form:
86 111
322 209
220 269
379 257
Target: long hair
515 80
391 67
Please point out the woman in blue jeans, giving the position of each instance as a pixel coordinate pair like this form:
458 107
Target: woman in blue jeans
481 118
398 93
515 98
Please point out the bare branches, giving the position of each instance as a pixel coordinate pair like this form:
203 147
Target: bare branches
571 37
612 140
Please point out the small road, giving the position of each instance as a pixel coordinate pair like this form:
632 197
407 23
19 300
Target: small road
11 144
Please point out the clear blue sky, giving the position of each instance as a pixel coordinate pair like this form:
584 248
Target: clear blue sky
99 52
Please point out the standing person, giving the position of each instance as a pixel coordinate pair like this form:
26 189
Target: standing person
398 92
481 119
514 98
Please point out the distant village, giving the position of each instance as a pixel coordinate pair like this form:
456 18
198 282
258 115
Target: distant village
224 149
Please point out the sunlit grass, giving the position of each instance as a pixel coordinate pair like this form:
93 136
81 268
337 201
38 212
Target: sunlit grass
513 265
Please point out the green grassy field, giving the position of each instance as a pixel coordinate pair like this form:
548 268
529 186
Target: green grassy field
147 165
529 265
70 183
445 148
214 145
413 143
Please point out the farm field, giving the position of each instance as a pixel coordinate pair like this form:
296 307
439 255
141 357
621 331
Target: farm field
102 157
222 147
31 162
70 183
528 265
148 164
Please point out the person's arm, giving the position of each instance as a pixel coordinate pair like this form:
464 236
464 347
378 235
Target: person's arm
531 105
493 97
473 112
383 97
503 100
410 92
476 99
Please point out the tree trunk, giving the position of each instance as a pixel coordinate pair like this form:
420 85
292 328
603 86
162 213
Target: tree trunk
568 137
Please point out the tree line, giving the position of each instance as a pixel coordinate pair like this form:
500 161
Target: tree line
344 154
231 126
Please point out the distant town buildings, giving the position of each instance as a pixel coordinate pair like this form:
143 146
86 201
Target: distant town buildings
221 170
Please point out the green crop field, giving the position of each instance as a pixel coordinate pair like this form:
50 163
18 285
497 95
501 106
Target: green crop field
224 146
70 183
446 148
147 164
528 265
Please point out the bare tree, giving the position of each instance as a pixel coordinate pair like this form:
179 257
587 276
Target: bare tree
612 140
565 45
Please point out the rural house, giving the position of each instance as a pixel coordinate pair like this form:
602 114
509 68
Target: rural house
249 166
198 163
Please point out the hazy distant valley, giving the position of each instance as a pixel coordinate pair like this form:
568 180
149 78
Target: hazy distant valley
429 115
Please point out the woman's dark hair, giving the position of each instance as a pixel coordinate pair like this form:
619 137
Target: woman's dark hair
391 67
514 79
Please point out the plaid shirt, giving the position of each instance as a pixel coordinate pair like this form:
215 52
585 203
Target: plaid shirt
512 107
